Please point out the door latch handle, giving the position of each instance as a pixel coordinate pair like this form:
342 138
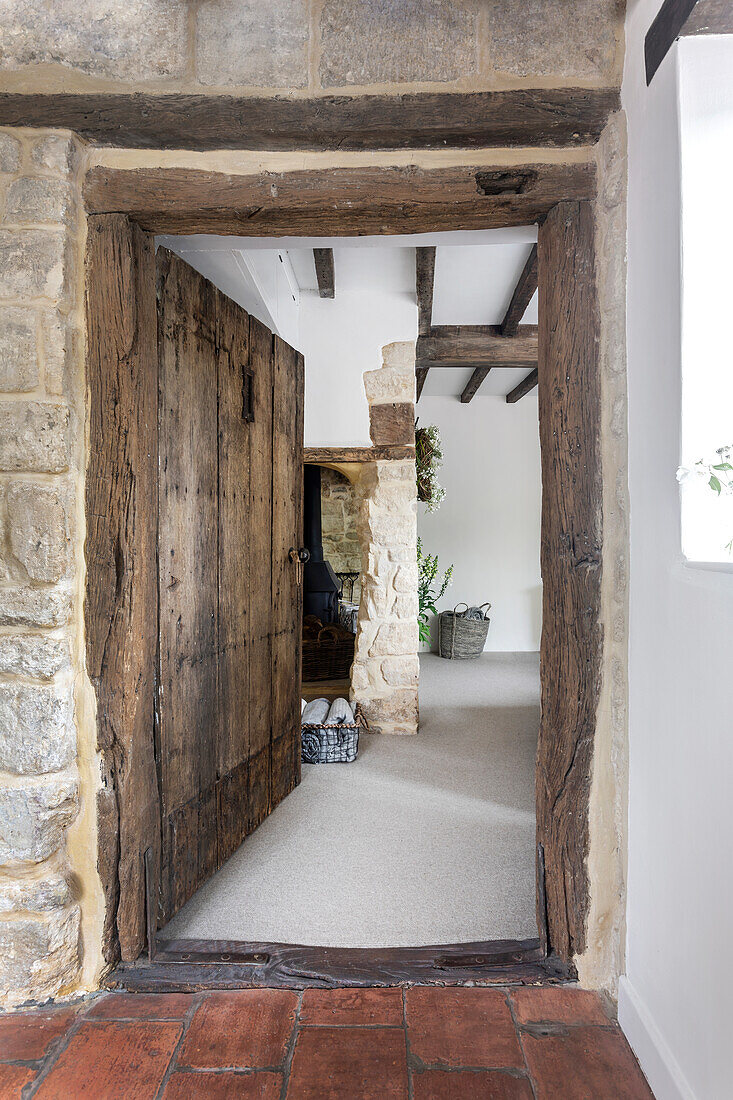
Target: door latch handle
299 558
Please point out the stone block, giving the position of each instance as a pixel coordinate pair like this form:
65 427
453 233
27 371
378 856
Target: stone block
10 153
39 957
386 385
37 732
396 713
248 42
33 817
405 606
132 41
400 356
401 671
28 606
375 42
55 349
566 39
405 577
396 471
38 200
392 530
39 535
34 655
34 436
32 263
18 350
396 497
35 895
55 153
395 639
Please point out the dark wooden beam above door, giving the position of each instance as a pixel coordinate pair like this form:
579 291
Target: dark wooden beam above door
325 272
426 120
477 346
525 386
424 287
522 296
337 202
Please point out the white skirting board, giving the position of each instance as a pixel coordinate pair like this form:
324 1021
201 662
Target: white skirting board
662 1071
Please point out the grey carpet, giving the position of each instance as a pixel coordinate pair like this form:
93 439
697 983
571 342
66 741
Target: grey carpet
422 840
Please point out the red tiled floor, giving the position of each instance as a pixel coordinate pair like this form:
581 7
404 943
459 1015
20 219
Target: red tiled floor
336 1007
562 1006
221 1086
106 1060
461 1027
246 1029
439 1084
27 1036
336 1063
12 1080
586 1063
141 1006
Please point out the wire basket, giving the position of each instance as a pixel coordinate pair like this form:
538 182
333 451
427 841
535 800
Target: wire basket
461 637
339 744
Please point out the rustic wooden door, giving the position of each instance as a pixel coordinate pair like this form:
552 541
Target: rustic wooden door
229 512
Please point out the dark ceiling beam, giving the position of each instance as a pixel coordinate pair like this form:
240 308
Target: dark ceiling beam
477 346
666 29
522 296
426 120
424 287
525 386
325 272
473 384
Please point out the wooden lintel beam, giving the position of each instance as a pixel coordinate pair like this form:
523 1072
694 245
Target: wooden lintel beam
424 286
325 272
522 296
477 346
473 384
525 386
422 120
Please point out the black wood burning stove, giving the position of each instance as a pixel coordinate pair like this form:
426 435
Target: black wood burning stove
320 584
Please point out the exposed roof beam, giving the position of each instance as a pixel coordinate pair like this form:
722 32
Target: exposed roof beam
477 346
424 286
473 384
325 272
522 296
668 25
525 386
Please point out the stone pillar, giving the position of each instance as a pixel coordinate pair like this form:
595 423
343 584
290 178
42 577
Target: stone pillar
41 467
385 671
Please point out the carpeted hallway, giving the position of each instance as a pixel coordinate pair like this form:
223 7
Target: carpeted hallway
423 840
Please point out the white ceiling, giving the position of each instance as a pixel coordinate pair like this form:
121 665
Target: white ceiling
475 275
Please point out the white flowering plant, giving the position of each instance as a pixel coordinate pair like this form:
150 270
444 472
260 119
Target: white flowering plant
717 472
429 589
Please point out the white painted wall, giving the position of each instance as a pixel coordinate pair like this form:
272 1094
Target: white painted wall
343 337
676 1001
488 525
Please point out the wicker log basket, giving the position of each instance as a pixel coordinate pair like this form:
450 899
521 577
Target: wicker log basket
334 740
462 634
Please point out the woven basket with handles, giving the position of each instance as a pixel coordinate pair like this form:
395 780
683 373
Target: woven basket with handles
459 637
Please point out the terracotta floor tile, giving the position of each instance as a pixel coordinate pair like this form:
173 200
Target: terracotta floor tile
27 1037
12 1080
559 1005
246 1029
439 1084
340 1063
109 1060
462 1027
587 1063
334 1007
205 1085
141 1006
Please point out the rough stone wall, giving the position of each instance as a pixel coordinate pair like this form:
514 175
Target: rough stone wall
41 522
603 960
385 672
308 46
339 512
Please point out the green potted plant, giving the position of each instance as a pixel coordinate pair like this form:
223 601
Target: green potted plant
429 589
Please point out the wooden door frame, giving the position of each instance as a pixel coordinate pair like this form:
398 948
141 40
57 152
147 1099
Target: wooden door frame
392 200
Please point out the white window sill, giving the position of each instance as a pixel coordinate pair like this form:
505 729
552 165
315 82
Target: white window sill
709 566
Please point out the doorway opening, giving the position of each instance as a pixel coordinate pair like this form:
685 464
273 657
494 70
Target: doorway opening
565 235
